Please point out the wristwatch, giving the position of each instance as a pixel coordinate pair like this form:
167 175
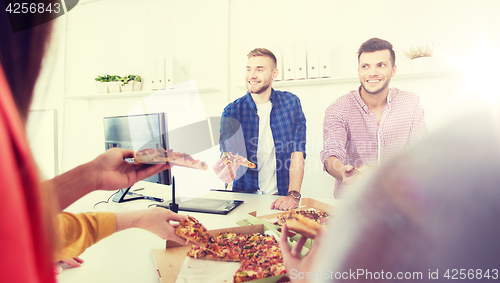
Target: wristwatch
295 195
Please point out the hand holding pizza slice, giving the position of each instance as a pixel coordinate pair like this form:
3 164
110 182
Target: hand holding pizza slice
228 164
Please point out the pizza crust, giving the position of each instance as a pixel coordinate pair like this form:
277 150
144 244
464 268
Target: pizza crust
302 225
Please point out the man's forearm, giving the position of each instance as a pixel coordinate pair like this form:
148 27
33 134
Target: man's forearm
334 167
296 171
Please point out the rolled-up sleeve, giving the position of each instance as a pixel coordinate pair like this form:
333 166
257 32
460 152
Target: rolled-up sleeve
299 137
334 135
79 231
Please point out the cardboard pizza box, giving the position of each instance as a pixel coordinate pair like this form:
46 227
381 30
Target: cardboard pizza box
169 261
268 219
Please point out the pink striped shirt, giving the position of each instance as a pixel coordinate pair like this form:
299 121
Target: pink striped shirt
351 133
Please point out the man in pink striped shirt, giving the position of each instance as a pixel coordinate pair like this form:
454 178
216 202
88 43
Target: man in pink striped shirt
369 124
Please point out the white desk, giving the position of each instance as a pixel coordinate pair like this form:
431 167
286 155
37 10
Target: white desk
126 255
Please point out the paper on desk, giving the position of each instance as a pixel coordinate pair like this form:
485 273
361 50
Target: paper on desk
202 270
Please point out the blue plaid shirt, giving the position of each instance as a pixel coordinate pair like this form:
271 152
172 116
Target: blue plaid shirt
288 125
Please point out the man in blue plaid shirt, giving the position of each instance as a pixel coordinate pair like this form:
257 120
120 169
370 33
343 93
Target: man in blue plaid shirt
268 127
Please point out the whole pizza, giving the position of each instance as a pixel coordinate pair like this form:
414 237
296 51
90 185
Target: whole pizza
259 255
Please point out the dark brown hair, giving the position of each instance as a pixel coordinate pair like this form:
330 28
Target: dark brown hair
377 44
263 52
21 55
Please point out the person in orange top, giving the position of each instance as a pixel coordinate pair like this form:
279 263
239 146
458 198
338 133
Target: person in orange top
29 211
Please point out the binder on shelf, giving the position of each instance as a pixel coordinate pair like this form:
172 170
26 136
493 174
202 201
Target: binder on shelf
160 73
287 52
152 74
325 59
312 60
300 61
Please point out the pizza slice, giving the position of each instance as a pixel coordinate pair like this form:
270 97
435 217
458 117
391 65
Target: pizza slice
160 155
302 225
232 158
193 231
184 159
222 247
319 216
149 156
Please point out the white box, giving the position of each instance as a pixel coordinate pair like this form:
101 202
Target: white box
160 73
312 60
325 59
151 78
288 55
300 61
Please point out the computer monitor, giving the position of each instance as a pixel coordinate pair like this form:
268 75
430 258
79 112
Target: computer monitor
138 132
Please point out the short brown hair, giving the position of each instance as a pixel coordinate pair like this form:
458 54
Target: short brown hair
263 52
377 44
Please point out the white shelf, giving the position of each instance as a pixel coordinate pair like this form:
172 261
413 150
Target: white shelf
321 81
140 93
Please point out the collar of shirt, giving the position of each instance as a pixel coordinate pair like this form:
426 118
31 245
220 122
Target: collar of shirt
362 104
253 106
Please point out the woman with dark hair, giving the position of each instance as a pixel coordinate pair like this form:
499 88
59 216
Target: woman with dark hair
32 228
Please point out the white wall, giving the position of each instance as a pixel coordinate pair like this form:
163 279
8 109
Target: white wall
211 39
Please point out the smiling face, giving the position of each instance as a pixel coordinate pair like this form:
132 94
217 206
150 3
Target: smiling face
260 74
375 71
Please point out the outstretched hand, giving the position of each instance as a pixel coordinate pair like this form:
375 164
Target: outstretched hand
113 172
348 175
155 220
226 173
291 257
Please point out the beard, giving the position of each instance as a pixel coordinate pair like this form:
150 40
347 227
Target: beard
265 85
376 91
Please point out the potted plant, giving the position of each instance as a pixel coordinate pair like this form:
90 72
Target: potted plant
101 84
421 56
127 83
108 83
137 83
115 83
